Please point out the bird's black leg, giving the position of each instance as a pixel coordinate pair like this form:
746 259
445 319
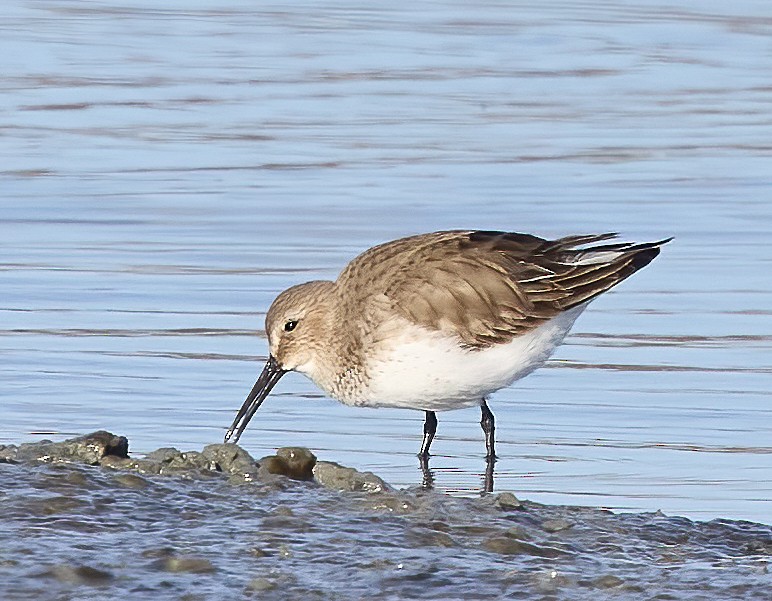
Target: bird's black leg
488 425
430 428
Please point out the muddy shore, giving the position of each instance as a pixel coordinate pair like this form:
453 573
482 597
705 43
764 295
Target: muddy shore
84 517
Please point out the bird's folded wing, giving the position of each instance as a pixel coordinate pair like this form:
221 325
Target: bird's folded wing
489 287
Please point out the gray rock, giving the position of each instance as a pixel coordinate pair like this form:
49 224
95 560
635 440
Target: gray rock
131 481
185 563
260 585
337 477
148 466
90 449
425 537
164 455
556 525
83 575
505 545
517 532
507 500
190 460
8 453
397 502
231 459
118 463
608 581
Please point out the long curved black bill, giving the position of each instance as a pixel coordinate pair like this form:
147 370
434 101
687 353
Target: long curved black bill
270 375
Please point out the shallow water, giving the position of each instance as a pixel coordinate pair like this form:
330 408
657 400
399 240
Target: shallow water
166 171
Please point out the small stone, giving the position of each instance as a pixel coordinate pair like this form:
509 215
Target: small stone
517 532
260 585
77 478
608 581
550 581
300 461
273 464
55 505
156 552
8 453
190 460
118 463
507 500
84 575
337 477
394 503
90 449
431 538
231 459
186 563
504 545
556 525
284 519
131 481
147 466
296 463
164 455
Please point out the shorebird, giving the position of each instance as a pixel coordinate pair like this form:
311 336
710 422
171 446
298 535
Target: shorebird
439 321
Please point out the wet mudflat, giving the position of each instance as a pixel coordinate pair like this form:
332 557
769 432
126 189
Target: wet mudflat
216 524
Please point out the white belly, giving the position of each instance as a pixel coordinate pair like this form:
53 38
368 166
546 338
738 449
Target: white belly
423 369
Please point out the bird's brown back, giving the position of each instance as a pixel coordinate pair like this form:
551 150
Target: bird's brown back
489 287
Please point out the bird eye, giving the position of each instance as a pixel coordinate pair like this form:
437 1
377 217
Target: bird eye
290 325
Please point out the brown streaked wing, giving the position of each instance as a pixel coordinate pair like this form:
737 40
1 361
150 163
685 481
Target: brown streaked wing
489 287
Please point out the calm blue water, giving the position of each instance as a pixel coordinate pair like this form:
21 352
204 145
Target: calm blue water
168 169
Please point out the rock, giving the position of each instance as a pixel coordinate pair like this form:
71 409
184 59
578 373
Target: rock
283 519
168 461
60 504
155 552
550 582
608 581
190 460
507 500
392 502
185 563
84 575
118 463
424 537
335 476
231 459
293 462
90 449
517 532
147 466
300 461
556 525
131 481
76 478
260 585
164 455
8 453
504 545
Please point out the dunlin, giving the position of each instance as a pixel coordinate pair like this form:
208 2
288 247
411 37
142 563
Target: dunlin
438 321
